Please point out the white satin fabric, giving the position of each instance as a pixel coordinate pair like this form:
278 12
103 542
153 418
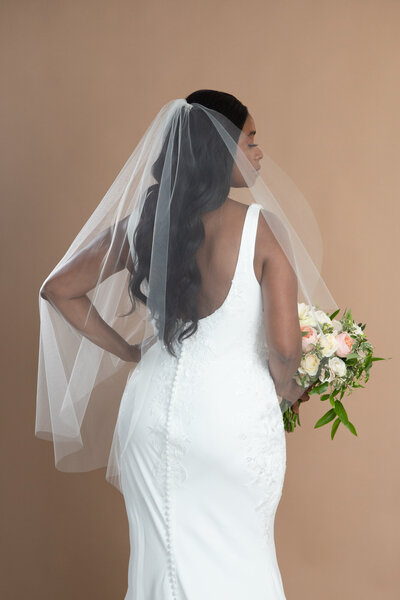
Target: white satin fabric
203 471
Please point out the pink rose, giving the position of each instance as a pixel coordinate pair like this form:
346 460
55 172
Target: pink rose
345 343
309 340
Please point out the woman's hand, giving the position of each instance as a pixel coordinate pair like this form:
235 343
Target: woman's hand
132 353
303 398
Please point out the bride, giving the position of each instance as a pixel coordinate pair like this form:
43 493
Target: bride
196 293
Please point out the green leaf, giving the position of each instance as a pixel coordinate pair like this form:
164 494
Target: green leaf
378 358
334 427
325 397
368 361
326 418
351 427
333 315
319 389
341 412
351 355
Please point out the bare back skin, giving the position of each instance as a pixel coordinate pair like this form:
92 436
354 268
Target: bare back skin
218 254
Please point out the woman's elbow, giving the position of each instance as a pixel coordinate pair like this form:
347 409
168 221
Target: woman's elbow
290 352
48 289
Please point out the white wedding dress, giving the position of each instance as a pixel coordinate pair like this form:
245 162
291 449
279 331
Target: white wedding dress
203 472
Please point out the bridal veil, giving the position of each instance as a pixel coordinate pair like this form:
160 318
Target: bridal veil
185 156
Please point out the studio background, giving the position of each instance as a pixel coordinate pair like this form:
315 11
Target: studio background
81 81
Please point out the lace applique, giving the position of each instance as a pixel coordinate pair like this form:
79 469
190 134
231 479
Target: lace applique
264 442
172 419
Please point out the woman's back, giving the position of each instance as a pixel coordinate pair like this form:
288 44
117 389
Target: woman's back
230 291
218 254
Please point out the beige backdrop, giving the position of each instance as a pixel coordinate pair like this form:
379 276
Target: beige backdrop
81 81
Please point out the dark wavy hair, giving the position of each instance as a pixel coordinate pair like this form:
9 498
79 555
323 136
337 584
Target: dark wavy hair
195 192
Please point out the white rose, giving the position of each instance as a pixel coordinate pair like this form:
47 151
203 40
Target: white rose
357 329
328 344
305 315
337 326
322 317
337 366
309 364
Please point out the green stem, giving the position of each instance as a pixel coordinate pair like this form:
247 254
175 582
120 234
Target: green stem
290 418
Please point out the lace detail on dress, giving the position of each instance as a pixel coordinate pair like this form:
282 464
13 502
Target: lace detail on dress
169 380
265 455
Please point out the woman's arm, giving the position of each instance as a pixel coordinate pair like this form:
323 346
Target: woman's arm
282 328
66 290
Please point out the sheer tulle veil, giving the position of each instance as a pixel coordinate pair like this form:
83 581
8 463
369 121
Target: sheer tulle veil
182 163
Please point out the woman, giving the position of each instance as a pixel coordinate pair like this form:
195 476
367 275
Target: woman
198 449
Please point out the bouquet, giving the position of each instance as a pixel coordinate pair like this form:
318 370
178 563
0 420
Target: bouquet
332 363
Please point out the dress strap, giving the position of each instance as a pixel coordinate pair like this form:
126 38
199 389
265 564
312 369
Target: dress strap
248 242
